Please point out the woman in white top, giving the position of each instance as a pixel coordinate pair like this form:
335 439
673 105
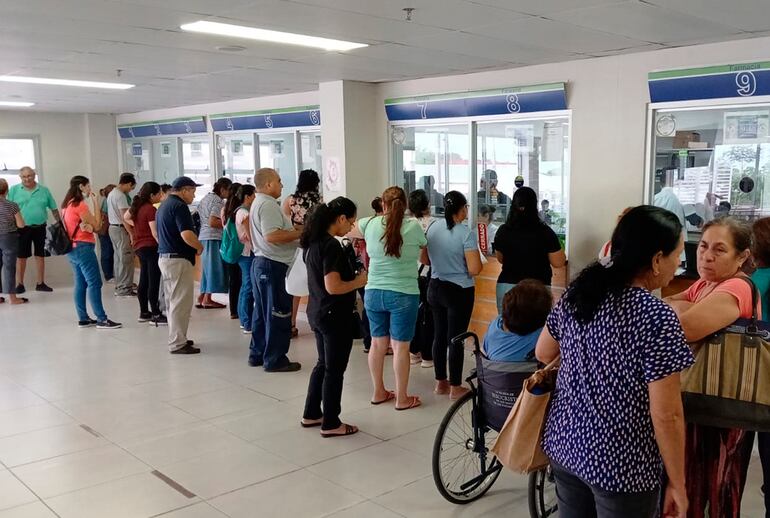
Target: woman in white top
237 211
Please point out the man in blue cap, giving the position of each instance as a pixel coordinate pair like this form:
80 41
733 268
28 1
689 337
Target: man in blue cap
177 247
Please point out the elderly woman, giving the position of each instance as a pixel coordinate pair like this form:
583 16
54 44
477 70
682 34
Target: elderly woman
717 458
213 273
617 410
10 223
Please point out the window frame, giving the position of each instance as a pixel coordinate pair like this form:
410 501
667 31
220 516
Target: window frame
39 170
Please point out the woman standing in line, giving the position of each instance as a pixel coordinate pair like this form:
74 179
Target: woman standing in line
234 276
10 223
141 216
393 243
81 218
526 247
453 250
106 250
237 211
333 283
421 348
297 206
617 408
213 273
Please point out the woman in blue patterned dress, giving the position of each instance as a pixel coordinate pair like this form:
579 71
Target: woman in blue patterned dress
617 408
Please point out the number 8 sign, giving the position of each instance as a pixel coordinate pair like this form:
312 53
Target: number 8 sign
513 103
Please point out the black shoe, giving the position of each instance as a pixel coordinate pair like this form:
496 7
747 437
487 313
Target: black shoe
187 349
144 317
189 342
159 320
256 363
126 294
108 324
82 324
289 367
20 289
43 287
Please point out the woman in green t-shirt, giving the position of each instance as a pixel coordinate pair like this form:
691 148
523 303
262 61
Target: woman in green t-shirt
393 243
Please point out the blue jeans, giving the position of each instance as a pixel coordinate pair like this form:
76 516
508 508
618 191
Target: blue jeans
392 314
246 297
107 257
271 322
88 280
577 499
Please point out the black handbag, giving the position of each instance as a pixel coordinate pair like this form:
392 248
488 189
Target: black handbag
57 240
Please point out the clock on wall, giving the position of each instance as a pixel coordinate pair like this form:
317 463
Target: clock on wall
665 126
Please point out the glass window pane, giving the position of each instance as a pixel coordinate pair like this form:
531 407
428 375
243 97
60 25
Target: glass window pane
165 160
277 151
237 157
531 153
433 158
196 160
136 159
16 153
311 151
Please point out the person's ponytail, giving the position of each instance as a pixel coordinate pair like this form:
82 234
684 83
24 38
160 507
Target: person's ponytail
148 190
394 202
322 216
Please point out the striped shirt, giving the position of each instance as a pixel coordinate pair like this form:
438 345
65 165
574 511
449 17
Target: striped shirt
8 211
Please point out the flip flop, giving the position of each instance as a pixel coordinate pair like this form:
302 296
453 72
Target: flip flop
390 397
213 306
2 300
312 424
199 306
22 301
349 430
415 402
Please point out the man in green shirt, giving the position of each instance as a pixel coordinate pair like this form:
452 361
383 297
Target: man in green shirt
35 201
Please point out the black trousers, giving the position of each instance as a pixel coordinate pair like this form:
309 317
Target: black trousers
149 280
234 291
334 340
452 308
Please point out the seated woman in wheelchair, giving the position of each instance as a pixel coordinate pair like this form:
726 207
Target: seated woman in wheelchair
512 336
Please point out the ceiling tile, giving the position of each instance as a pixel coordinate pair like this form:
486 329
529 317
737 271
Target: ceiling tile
544 7
748 15
645 22
418 56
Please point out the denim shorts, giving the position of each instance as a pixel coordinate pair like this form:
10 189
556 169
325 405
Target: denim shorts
392 314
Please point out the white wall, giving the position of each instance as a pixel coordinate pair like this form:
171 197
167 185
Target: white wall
608 98
70 144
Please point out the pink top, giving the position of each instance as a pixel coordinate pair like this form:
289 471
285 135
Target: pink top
73 216
241 216
738 288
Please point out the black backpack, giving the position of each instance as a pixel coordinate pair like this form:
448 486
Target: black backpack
57 240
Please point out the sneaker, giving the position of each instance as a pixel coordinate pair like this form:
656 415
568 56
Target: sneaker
256 363
187 349
108 324
43 287
111 280
246 331
289 367
82 324
427 364
144 317
20 289
126 294
159 320
414 359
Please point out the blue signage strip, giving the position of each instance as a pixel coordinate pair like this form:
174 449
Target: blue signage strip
286 118
718 82
159 128
526 99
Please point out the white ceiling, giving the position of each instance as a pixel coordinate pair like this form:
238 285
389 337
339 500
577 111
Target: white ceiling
91 39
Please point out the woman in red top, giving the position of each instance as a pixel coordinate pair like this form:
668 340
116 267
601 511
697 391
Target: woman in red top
141 216
81 219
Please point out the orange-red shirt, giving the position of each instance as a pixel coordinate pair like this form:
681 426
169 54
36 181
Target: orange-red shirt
73 216
738 288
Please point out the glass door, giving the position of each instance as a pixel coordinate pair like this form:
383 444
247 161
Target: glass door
237 157
277 150
165 160
196 163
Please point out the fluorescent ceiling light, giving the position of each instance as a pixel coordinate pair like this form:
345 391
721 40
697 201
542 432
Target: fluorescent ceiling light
252 33
16 104
64 82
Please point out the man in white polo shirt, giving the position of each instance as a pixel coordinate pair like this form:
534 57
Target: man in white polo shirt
274 241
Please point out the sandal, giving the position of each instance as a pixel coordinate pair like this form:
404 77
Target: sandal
414 403
390 397
311 423
2 300
19 300
349 430
213 305
294 332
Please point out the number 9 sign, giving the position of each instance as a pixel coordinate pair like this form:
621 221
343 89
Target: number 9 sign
747 84
513 103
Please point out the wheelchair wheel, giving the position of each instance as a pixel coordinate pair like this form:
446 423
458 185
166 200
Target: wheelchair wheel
463 468
542 494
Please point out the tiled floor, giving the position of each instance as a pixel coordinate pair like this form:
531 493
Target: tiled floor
88 418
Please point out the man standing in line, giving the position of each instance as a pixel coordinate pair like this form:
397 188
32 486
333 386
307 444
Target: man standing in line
118 202
274 241
35 201
177 247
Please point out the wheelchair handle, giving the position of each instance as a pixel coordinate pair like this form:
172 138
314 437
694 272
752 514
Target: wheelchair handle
460 339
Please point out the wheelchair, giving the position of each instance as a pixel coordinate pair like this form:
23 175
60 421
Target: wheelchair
463 467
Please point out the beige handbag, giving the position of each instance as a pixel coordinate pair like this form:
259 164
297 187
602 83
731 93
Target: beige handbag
518 447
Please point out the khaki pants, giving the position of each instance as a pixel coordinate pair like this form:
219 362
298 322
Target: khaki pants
178 278
124 260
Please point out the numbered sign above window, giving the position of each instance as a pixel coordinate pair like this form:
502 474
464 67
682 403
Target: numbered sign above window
717 82
502 101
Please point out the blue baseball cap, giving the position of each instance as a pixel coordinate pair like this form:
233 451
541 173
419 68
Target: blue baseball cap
183 181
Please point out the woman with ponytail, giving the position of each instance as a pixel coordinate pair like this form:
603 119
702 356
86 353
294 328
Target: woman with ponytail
332 283
234 276
453 251
141 216
237 211
393 243
617 409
